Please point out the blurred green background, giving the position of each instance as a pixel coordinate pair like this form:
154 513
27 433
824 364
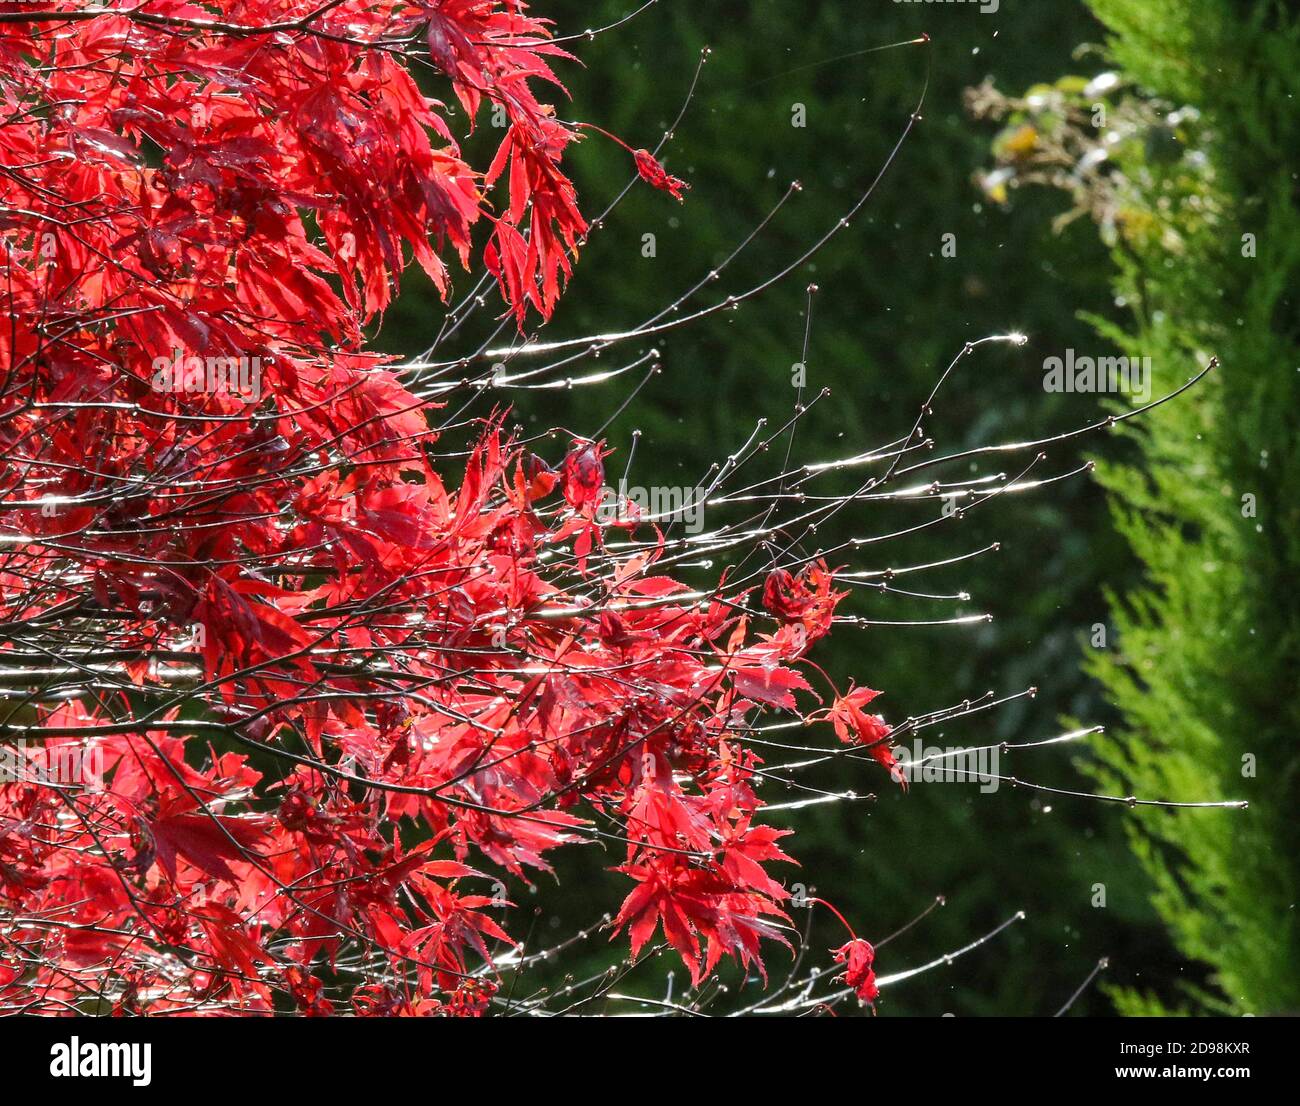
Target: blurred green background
892 310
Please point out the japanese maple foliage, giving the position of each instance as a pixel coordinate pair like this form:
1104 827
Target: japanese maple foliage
335 696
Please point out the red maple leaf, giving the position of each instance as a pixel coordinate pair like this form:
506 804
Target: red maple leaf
647 165
857 956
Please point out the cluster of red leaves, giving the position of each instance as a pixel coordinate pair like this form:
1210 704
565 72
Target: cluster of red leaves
323 684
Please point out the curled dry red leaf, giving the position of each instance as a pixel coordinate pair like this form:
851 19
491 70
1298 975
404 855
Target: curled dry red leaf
857 956
652 172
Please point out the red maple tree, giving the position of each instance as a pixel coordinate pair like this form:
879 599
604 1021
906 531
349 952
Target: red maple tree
334 696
